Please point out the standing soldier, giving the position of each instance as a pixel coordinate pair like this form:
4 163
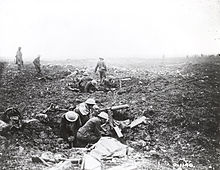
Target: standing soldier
37 64
101 67
19 60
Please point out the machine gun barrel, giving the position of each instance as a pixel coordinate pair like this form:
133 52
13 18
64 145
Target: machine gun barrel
124 106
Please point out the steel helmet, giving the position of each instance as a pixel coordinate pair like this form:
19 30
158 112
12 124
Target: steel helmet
90 101
103 115
94 82
96 106
111 77
71 116
85 73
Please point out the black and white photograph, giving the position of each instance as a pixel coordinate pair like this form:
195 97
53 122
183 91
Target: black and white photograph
110 84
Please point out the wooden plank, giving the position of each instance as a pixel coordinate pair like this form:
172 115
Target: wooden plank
118 131
137 121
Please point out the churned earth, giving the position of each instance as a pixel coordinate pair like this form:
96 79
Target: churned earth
179 97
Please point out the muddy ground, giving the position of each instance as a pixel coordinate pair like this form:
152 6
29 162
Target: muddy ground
180 98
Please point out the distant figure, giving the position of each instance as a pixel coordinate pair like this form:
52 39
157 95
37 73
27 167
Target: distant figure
109 83
82 83
91 86
87 85
101 67
37 64
91 132
19 60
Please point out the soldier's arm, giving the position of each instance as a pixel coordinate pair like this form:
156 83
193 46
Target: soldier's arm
97 65
87 87
63 130
105 67
97 128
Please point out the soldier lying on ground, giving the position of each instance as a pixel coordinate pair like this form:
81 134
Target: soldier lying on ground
12 117
10 121
109 83
87 85
91 132
84 85
90 87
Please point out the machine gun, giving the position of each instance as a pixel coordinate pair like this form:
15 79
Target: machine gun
111 121
113 108
123 79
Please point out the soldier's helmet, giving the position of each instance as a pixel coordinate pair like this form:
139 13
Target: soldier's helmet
103 115
94 82
90 101
71 116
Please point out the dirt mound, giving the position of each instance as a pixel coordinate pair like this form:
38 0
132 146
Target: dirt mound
181 103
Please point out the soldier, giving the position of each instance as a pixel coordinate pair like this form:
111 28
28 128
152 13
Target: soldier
91 131
82 83
85 109
101 67
19 60
109 83
70 123
96 110
91 86
36 63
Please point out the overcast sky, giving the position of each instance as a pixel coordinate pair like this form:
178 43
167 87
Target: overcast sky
62 29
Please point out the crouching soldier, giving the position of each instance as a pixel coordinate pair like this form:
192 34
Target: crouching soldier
109 83
70 123
87 85
36 63
91 86
91 132
85 109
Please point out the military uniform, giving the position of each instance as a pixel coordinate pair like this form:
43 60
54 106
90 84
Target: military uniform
19 60
90 88
101 67
37 64
90 132
84 112
69 129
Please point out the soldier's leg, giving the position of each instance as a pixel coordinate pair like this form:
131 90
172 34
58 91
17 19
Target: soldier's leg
19 66
93 139
104 75
81 141
38 69
101 76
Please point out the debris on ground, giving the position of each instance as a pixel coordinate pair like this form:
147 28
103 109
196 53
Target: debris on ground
180 100
138 121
